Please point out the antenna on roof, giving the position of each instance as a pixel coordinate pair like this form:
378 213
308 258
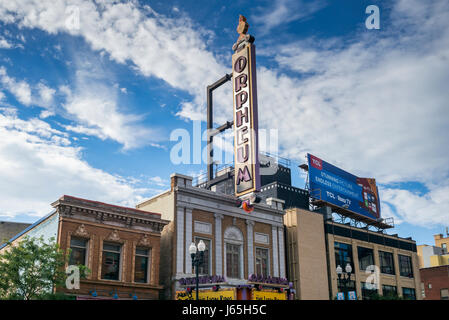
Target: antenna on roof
447 231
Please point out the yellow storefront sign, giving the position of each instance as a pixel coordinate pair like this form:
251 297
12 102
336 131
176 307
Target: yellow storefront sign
207 295
268 295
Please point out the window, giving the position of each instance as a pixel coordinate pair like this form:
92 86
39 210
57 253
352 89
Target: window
386 262
262 261
206 266
141 265
409 293
444 247
405 266
368 291
110 267
232 260
444 294
389 291
423 291
366 257
78 248
343 254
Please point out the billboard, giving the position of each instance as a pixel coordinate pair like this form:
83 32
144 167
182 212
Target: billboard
247 177
340 188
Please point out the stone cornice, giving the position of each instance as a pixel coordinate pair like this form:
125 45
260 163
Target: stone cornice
127 218
224 199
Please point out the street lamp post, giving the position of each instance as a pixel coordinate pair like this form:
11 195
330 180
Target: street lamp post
197 260
344 277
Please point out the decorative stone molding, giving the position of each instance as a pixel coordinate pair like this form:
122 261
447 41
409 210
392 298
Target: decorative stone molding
276 203
233 233
250 222
262 238
218 216
145 241
65 210
81 231
114 236
202 227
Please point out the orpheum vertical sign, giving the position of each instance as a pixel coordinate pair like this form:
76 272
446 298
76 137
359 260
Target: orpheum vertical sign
246 153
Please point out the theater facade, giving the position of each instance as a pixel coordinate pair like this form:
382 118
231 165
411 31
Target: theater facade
245 252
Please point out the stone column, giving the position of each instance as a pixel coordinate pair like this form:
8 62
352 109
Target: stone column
218 245
180 240
274 234
189 239
281 252
250 240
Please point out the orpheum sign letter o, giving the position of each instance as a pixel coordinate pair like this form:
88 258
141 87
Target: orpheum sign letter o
245 121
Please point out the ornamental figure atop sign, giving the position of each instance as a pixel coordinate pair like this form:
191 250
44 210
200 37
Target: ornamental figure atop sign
243 38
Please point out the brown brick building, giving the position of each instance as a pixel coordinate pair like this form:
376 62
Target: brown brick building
10 229
435 282
119 245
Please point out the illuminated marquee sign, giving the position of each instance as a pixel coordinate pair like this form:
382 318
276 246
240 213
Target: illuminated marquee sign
245 121
268 295
226 294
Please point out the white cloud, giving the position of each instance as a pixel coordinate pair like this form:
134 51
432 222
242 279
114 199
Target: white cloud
20 89
4 44
158 181
93 105
39 95
38 165
374 104
173 50
46 93
282 12
425 210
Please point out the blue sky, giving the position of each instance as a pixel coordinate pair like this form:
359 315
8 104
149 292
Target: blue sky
92 91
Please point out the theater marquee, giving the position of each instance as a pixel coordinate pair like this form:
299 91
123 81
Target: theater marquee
245 121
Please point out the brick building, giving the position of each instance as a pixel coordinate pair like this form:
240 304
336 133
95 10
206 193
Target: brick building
10 229
119 245
435 282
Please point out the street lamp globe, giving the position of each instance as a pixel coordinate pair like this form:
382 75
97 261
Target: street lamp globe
192 248
348 268
201 246
339 270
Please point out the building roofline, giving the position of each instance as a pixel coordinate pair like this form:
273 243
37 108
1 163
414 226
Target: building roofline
67 197
372 232
153 197
4 221
38 222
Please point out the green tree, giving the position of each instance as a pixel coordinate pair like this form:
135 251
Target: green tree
32 269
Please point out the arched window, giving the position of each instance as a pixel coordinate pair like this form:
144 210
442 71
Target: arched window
233 247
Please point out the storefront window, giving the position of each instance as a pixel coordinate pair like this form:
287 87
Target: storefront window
141 265
110 267
78 248
232 260
262 261
389 291
386 262
405 266
368 291
366 257
205 267
409 293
